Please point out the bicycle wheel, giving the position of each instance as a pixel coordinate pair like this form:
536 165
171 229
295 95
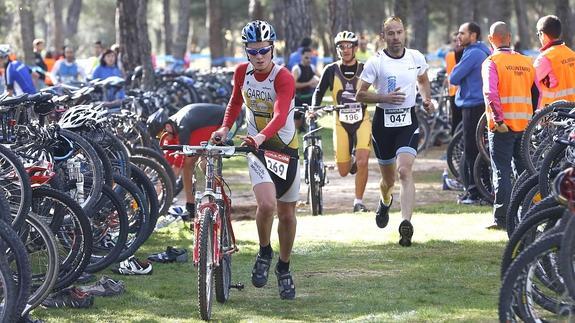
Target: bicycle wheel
15 185
566 267
43 252
72 228
109 230
150 196
156 156
481 137
8 292
315 179
223 273
483 178
107 168
514 211
206 264
424 134
554 162
540 131
455 154
157 174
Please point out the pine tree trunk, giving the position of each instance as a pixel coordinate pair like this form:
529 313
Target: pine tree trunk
128 33
420 22
72 18
58 32
167 27
401 10
296 24
180 44
522 24
499 11
256 10
214 25
144 46
466 11
26 16
565 14
339 12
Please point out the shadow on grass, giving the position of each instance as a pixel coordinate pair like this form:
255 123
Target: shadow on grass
433 281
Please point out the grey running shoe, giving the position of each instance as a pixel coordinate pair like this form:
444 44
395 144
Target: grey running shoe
105 287
285 284
69 297
359 207
261 270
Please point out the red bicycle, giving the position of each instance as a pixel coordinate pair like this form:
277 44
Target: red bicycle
214 241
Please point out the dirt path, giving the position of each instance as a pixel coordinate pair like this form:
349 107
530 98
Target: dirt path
338 194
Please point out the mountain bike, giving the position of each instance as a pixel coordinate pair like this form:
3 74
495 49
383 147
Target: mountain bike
315 169
214 241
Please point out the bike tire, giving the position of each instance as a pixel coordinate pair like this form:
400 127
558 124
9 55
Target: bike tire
9 291
161 180
223 273
481 138
109 215
156 156
455 154
514 211
553 163
17 190
566 267
483 178
150 196
424 134
205 273
106 163
315 176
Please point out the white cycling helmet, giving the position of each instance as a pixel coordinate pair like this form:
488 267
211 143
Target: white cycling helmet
346 36
4 50
257 31
77 116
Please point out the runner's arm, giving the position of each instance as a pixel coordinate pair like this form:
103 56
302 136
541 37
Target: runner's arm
321 88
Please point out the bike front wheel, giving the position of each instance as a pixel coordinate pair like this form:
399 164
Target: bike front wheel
315 180
206 264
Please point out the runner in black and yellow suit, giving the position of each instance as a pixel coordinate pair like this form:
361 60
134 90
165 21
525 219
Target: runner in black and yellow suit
352 131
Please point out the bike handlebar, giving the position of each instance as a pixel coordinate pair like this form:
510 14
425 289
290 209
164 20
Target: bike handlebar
209 149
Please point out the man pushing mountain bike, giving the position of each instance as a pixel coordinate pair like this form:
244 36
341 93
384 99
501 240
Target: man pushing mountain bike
268 92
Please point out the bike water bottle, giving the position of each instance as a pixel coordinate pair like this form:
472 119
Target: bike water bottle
445 177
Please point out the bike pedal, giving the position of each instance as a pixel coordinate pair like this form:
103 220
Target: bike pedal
238 286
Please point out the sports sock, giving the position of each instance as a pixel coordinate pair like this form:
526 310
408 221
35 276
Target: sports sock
357 201
283 266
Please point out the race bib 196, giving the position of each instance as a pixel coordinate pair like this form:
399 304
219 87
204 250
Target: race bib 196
399 117
277 163
351 115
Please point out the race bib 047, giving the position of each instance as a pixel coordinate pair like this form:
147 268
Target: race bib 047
399 117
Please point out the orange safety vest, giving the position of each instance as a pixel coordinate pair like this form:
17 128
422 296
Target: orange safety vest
562 60
516 75
449 65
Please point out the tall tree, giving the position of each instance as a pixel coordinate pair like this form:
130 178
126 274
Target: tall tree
256 10
72 18
296 24
214 25
339 12
167 27
26 16
181 42
566 16
420 21
522 24
499 11
466 11
401 9
58 31
144 45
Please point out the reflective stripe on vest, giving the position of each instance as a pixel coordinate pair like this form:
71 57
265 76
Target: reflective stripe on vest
516 75
562 60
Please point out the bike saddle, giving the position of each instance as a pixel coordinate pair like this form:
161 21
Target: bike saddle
39 97
14 100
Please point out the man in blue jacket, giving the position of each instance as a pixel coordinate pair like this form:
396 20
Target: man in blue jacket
469 98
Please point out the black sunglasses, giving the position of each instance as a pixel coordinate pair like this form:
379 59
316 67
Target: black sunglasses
262 51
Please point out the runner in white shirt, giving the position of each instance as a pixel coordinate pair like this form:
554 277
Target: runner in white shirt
396 73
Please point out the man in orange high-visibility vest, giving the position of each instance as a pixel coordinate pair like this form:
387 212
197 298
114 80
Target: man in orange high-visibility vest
508 78
555 66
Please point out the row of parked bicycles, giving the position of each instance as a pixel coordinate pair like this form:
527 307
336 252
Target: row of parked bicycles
538 277
83 184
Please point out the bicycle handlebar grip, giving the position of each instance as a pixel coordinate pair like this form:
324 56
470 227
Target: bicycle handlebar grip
245 149
217 138
172 147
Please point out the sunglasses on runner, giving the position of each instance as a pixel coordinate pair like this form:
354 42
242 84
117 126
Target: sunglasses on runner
262 51
345 46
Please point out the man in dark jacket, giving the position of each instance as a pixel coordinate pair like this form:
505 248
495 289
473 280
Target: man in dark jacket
469 97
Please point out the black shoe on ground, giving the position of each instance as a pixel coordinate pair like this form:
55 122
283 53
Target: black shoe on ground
190 212
497 225
170 255
285 284
261 270
382 214
406 232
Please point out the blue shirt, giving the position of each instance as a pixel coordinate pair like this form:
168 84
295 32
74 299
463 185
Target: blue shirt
467 74
103 72
18 78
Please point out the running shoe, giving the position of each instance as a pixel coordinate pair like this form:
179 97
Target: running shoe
406 232
133 266
359 207
285 284
261 270
69 297
382 213
170 255
105 287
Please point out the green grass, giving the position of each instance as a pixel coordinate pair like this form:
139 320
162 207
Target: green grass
345 269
